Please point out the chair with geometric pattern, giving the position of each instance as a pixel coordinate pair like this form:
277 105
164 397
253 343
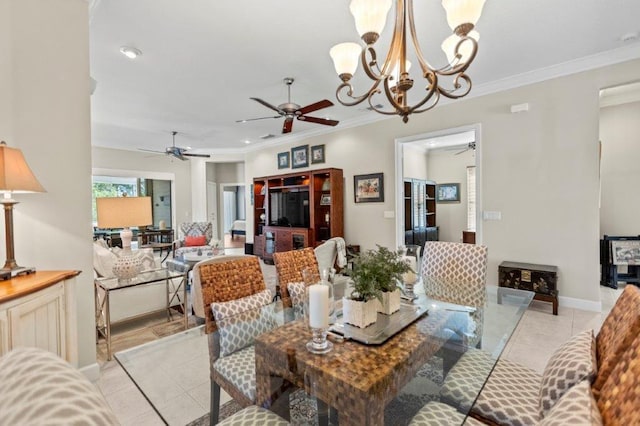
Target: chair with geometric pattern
289 267
462 266
232 282
193 236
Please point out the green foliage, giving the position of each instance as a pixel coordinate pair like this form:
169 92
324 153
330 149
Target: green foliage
376 271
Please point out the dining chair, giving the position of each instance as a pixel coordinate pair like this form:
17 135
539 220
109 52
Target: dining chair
233 284
289 270
456 273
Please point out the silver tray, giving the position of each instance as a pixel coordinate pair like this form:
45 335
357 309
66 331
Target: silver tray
384 328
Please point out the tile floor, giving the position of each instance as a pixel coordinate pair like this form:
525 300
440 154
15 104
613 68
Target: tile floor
534 341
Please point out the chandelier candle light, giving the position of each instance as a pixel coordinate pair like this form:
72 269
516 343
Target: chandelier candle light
370 16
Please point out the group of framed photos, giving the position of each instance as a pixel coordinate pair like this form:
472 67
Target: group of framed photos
301 156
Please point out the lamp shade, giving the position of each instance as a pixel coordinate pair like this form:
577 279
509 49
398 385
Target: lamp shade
449 46
345 57
123 212
15 174
370 15
461 12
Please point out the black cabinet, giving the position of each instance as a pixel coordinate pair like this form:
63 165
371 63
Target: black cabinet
419 211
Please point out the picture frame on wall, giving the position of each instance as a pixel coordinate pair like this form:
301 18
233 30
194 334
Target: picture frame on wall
368 188
283 160
448 193
300 156
317 154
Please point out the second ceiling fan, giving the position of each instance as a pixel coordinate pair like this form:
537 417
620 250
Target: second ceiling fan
290 110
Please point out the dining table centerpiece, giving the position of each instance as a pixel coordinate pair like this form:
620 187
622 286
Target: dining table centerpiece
375 275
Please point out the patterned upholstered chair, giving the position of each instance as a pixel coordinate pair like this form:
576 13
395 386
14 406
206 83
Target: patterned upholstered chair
462 266
188 235
38 387
456 273
252 416
234 286
289 267
513 395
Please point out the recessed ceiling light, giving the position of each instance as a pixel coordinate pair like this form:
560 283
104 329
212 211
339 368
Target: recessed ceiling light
247 142
130 52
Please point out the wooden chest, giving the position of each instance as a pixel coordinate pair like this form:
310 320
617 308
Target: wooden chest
541 279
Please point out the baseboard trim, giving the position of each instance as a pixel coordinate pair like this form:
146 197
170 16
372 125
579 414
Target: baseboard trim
91 371
564 301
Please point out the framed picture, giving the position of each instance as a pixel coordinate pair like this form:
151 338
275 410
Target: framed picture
325 200
368 188
317 154
448 193
283 160
299 157
625 252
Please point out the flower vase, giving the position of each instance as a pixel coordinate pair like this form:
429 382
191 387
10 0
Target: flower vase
358 313
390 302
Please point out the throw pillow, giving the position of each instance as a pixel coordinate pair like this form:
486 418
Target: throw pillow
193 241
240 321
576 407
296 292
103 260
571 363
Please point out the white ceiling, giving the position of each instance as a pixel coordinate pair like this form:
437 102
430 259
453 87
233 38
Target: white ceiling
203 59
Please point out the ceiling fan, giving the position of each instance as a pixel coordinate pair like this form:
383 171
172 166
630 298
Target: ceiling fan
471 145
290 111
176 151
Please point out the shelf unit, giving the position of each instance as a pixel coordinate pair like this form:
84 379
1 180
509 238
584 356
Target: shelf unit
420 224
325 211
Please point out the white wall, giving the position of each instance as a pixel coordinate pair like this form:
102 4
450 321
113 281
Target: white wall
620 169
414 162
540 170
446 167
44 110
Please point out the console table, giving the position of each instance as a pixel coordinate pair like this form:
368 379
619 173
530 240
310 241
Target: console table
541 279
104 286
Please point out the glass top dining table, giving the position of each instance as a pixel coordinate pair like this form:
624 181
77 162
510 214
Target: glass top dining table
371 384
388 382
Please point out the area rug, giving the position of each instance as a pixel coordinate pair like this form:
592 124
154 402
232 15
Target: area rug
423 388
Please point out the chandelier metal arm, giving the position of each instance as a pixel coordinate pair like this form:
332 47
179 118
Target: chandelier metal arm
456 85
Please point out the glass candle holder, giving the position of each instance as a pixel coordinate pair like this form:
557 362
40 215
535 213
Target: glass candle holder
317 308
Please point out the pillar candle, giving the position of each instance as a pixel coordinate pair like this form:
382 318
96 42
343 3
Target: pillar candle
318 306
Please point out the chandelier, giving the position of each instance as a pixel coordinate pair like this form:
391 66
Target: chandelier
393 75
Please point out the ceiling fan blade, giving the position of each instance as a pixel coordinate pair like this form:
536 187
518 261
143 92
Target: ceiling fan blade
288 123
318 120
151 150
268 105
196 155
254 119
314 107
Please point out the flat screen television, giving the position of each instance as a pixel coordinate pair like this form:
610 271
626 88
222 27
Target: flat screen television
289 209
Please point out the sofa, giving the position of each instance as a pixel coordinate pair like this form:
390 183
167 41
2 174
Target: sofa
131 301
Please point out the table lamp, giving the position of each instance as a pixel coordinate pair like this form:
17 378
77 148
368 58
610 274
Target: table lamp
124 212
15 178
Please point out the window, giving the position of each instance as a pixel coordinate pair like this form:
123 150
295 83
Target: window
471 198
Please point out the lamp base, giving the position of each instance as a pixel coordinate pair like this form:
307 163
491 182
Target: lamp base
7 274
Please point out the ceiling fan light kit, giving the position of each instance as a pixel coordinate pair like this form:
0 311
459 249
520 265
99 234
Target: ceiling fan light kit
290 110
392 75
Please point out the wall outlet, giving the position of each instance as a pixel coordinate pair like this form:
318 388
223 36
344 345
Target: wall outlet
389 214
491 215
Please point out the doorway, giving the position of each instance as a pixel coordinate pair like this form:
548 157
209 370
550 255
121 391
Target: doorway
233 214
449 156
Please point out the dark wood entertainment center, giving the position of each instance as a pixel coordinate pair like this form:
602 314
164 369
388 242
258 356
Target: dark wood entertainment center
297 210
